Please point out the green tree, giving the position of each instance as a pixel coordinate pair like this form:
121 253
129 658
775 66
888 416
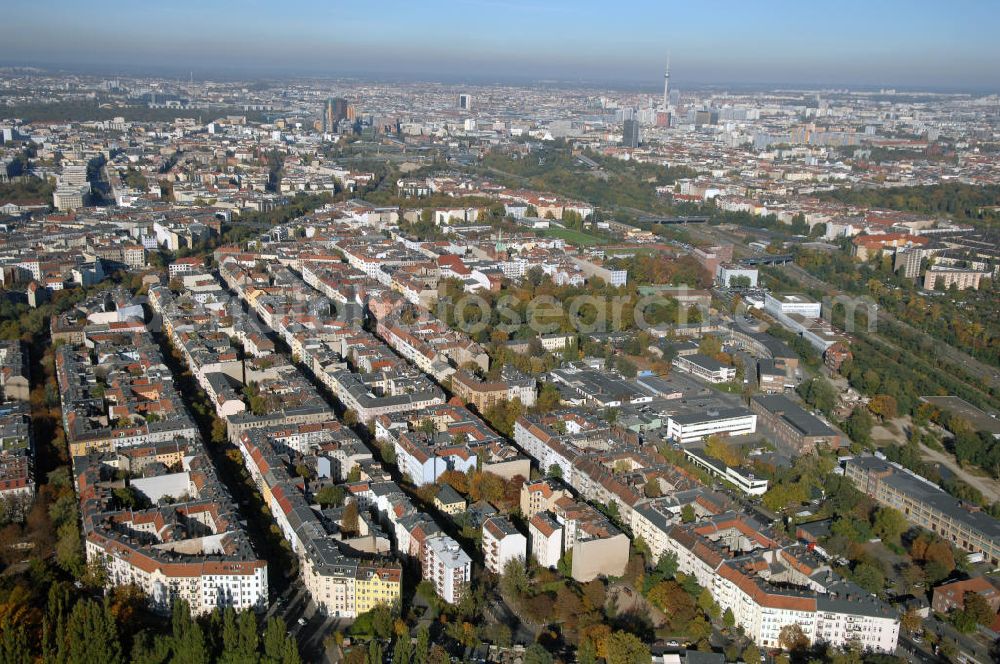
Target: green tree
230 637
536 654
586 653
699 629
421 652
187 637
402 652
330 496
687 514
514 578
859 426
375 654
91 635
14 647
382 621
249 638
869 577
889 524
627 648
279 645
978 609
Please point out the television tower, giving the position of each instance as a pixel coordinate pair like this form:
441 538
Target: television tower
666 85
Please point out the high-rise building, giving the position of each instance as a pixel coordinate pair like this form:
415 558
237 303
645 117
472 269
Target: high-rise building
630 133
465 102
666 86
336 109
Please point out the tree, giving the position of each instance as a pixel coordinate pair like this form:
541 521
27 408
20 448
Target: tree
498 634
279 645
555 470
536 654
421 651
671 598
978 609
791 637
586 653
939 559
710 345
699 628
889 524
728 619
330 496
548 398
627 648
911 621
667 565
249 639
819 393
751 654
912 575
230 637
687 514
14 647
91 635
375 654
884 406
869 577
350 417
402 652
382 621
514 578
717 448
859 426
349 522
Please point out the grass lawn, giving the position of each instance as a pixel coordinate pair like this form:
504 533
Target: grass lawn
578 238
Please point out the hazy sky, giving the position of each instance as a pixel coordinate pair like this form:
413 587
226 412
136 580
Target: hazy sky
923 43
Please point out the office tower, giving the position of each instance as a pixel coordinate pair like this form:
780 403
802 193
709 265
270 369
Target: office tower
465 102
630 134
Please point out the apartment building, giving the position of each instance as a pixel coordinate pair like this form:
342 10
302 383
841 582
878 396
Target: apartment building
447 567
546 536
945 277
768 583
17 462
502 543
341 580
484 394
542 496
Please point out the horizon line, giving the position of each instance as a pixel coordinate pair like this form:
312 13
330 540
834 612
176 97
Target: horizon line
263 73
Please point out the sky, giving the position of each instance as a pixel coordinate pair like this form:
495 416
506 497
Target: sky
915 44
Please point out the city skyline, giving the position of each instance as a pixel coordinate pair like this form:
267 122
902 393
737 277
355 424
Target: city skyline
777 43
